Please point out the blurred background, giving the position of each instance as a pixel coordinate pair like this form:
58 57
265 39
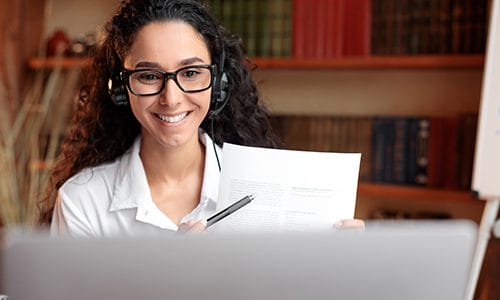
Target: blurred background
397 80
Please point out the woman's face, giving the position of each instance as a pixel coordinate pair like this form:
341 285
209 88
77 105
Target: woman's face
171 118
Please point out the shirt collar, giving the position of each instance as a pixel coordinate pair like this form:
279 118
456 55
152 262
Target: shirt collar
132 190
211 173
131 187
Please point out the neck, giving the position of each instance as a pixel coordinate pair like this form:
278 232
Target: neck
172 165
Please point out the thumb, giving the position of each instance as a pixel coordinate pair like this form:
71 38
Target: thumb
193 226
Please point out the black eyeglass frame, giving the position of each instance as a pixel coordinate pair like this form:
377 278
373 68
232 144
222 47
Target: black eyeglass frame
125 74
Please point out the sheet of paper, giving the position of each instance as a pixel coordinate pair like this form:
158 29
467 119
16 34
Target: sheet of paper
293 190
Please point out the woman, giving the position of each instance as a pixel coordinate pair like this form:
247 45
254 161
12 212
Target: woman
167 83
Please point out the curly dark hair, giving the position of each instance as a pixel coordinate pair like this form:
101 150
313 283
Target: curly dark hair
101 131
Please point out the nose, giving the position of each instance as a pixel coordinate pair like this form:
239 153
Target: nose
171 95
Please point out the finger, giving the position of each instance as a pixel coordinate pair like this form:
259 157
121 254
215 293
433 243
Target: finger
193 226
350 224
185 227
199 226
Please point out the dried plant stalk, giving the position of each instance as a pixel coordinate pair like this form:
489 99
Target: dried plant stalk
29 138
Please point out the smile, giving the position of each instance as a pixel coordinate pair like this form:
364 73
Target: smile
172 119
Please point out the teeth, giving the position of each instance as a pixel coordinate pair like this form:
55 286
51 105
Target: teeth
173 119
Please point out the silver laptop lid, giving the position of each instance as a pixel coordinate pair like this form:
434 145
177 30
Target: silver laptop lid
386 261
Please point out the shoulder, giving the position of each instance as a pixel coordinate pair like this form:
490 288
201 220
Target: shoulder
82 199
90 184
94 187
99 179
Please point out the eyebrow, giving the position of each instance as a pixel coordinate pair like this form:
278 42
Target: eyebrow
184 62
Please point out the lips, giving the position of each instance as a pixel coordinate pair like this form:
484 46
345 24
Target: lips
172 118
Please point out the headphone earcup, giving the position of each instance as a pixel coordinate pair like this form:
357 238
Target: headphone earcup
220 95
117 92
224 87
220 89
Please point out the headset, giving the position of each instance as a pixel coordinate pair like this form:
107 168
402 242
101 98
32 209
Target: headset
218 99
117 91
220 89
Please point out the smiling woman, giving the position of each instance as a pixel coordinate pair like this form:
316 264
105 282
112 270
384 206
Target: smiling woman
167 86
171 113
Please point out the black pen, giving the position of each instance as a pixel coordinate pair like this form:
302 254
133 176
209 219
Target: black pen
229 210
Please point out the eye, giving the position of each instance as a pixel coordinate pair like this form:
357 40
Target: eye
190 74
148 77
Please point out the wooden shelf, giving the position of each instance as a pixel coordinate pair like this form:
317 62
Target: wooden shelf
63 62
415 193
365 62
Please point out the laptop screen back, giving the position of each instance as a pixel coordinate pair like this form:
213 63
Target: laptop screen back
386 261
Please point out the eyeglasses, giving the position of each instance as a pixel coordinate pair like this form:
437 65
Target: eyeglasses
150 82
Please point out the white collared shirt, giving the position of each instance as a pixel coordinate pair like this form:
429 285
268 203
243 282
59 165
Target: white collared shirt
115 198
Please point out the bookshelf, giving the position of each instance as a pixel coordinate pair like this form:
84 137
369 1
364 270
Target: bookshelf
298 61
37 63
399 201
417 193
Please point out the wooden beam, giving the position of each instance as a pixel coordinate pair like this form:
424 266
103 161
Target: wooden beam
21 29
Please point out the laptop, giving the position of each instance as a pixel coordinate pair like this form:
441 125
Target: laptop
388 260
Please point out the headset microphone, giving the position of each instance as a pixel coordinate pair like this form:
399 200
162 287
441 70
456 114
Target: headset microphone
219 98
220 90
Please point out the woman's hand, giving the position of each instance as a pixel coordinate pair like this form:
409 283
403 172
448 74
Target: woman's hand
193 226
349 224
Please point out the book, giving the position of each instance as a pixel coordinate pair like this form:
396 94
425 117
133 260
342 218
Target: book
400 150
444 31
287 29
436 160
467 142
334 28
422 151
239 18
320 22
310 28
379 143
277 11
357 36
298 28
457 20
451 156
251 27
263 22
365 147
412 158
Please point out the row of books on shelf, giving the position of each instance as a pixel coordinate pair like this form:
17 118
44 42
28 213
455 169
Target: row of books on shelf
264 26
429 26
336 28
436 152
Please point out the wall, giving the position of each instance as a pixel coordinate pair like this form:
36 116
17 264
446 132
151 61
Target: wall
78 17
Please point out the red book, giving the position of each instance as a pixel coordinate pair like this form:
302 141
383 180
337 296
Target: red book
334 28
311 30
298 28
357 37
320 30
